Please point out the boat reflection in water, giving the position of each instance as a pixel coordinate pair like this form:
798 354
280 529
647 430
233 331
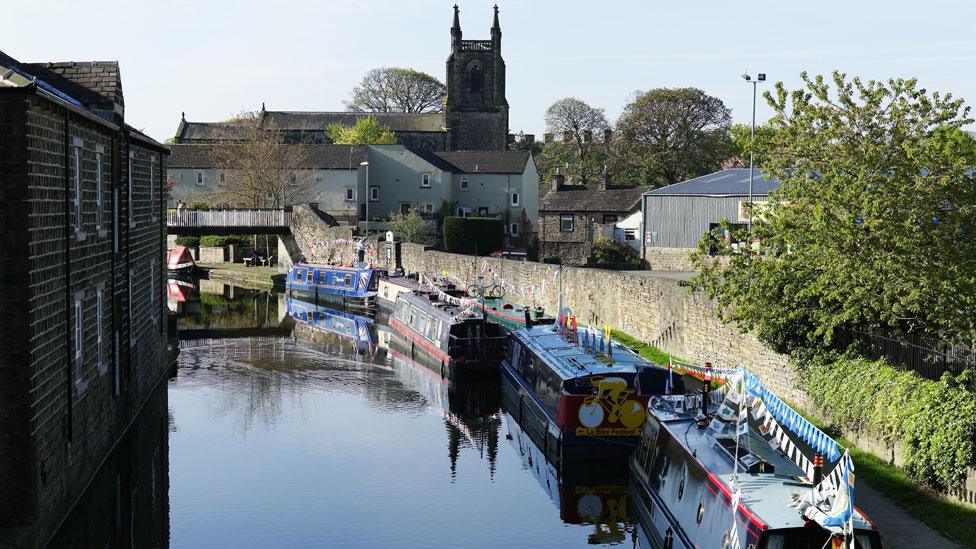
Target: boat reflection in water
312 322
127 502
471 410
594 492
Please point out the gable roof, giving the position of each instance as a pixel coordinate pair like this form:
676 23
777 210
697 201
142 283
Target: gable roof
578 198
731 182
318 120
322 157
485 161
97 84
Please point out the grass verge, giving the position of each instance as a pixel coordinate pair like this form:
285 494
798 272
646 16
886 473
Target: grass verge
651 353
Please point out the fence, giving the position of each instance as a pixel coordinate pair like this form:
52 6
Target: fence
909 352
228 218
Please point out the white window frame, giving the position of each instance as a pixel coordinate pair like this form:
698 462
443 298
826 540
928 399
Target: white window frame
132 204
116 244
99 150
79 343
515 229
514 198
198 179
152 187
464 184
76 148
425 181
153 312
350 194
102 364
374 193
572 222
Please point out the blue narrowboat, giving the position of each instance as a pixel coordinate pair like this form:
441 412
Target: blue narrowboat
329 284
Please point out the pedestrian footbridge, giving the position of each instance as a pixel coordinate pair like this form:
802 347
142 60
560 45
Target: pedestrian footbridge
184 222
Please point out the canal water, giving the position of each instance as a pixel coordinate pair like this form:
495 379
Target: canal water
290 425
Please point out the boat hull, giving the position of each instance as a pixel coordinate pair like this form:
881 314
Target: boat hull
430 355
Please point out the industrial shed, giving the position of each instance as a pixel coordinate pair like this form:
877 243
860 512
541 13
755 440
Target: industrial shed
676 216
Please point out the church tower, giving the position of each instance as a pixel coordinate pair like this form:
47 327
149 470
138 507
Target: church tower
476 111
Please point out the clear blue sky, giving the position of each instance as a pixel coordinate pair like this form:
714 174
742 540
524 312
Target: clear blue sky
213 58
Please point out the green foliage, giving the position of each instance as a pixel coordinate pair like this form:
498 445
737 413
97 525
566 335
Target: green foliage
606 250
473 235
653 354
413 228
741 143
188 241
935 421
669 135
367 130
218 241
871 228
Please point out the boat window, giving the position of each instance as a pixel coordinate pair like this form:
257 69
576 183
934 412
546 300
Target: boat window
516 352
701 513
348 280
440 324
373 281
309 277
684 480
322 278
299 274
666 465
422 324
413 315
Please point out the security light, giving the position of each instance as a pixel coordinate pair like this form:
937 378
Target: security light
761 77
746 77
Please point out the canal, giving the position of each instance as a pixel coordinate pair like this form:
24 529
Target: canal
291 426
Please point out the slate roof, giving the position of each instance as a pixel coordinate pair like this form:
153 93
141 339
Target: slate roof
578 198
323 157
97 84
731 182
485 161
316 120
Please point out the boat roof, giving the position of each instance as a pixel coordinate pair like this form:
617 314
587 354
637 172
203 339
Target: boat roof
767 495
439 308
571 361
333 267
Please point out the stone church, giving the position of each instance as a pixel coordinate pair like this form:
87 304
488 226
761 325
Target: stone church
475 116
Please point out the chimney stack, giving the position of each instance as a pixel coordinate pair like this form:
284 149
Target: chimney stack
605 181
557 181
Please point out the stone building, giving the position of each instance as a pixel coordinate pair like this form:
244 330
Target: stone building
571 217
475 115
81 256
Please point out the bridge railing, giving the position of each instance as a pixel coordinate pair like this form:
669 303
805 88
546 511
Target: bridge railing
228 218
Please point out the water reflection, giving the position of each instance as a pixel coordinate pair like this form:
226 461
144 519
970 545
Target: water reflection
127 503
324 436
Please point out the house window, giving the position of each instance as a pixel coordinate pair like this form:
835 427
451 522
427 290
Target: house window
200 178
132 330
350 195
100 325
130 203
374 194
294 179
515 229
115 222
79 343
515 199
425 180
566 223
152 291
152 186
609 218
428 208
98 189
76 180
464 183
464 212
223 177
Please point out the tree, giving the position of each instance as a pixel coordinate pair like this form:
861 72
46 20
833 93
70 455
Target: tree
581 155
392 89
367 130
665 136
741 144
413 228
260 169
872 227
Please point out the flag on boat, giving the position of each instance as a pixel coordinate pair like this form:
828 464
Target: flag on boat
733 535
669 385
830 503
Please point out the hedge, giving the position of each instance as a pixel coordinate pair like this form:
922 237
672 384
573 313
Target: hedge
218 241
469 235
188 241
935 421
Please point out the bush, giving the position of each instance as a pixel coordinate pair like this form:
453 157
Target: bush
218 241
934 420
473 235
606 250
412 228
188 241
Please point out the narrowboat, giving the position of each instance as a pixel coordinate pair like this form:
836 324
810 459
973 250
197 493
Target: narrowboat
446 334
356 329
749 473
511 316
579 394
180 260
328 284
587 495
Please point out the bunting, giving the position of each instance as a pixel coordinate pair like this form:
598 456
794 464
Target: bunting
530 290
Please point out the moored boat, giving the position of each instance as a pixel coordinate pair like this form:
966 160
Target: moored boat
180 260
581 395
329 284
446 334
749 473
353 328
511 316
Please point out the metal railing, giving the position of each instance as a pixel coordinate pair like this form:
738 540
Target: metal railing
228 218
908 352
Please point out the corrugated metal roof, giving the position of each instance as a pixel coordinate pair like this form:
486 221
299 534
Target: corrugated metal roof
732 182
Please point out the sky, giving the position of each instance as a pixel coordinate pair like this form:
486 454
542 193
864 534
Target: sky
212 58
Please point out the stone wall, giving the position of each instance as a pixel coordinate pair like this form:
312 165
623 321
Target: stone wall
655 310
320 243
669 259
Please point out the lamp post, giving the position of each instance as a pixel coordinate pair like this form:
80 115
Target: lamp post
761 77
366 164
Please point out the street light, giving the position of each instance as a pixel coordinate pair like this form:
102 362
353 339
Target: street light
366 163
761 77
